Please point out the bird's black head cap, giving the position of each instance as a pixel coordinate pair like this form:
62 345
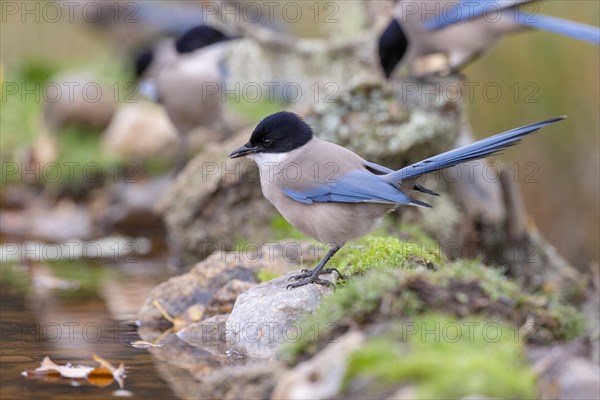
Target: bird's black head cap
142 62
198 37
393 44
280 132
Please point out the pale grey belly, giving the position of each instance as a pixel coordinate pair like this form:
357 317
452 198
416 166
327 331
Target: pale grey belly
331 223
191 112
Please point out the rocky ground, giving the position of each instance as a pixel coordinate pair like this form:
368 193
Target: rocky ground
466 300
408 317
399 324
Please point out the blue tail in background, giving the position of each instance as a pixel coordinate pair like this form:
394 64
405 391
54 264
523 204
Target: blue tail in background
564 27
467 11
480 149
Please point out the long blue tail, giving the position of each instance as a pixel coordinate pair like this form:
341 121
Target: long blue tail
564 27
480 149
464 11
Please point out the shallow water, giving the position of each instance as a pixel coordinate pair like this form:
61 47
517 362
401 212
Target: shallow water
68 325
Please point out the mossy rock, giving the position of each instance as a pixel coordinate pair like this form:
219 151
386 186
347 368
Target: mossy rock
437 356
376 251
392 284
379 253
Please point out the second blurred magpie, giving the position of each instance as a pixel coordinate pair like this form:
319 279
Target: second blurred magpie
186 76
462 30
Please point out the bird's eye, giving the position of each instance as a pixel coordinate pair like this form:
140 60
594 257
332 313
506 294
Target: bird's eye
267 142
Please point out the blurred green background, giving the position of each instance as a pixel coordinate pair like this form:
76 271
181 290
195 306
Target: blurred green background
554 76
565 202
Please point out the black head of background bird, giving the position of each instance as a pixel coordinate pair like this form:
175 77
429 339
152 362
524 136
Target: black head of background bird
142 62
199 37
393 44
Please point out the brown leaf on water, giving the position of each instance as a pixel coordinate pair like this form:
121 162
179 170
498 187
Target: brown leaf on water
53 376
100 376
117 373
103 363
66 371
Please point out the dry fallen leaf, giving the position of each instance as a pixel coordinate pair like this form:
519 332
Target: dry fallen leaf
97 376
117 373
100 377
66 371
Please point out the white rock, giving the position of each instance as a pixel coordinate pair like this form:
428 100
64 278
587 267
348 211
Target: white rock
141 130
264 317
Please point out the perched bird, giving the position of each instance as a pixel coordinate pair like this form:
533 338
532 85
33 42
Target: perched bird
462 30
186 76
333 195
150 61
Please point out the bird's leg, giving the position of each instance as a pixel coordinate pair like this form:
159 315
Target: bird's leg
312 276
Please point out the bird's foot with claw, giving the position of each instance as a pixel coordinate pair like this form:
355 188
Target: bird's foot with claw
307 281
306 273
308 276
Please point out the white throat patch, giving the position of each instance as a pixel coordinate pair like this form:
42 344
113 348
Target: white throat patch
269 159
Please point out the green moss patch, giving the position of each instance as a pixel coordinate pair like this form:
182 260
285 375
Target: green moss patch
442 357
381 253
462 290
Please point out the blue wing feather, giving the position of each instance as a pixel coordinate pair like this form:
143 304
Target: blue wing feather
378 168
362 186
356 187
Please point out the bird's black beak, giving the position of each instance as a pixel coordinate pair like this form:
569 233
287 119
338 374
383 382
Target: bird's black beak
243 151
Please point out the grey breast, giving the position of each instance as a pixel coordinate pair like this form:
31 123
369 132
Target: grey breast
333 223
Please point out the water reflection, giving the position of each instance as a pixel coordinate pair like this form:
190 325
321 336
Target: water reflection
70 323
